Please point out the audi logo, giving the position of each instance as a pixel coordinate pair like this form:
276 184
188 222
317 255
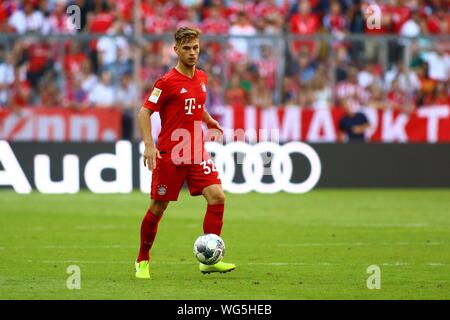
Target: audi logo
253 166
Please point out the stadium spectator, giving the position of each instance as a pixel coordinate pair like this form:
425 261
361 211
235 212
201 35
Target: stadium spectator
439 96
242 27
342 61
191 19
74 58
376 99
289 91
304 67
6 76
156 22
356 17
39 61
88 78
215 23
76 98
305 96
407 79
396 97
414 26
151 70
57 20
350 90
112 49
48 91
439 63
267 66
370 73
235 95
20 92
426 84
304 23
27 19
260 94
103 94
353 125
127 100
400 13
175 9
335 21
215 94
438 21
321 91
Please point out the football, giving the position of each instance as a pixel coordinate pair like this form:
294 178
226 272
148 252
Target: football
209 248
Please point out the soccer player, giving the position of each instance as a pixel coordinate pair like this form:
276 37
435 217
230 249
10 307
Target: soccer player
179 97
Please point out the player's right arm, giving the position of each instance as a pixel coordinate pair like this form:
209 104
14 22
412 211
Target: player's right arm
150 152
153 103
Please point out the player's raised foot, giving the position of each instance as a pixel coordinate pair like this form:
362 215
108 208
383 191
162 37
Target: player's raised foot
142 269
220 266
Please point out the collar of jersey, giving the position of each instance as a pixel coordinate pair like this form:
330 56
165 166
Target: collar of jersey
195 73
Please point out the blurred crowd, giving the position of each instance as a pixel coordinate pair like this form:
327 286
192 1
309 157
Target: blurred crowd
113 70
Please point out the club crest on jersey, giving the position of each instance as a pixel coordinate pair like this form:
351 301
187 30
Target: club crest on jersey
161 189
155 95
203 86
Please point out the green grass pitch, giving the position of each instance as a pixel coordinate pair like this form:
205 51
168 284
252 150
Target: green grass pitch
311 246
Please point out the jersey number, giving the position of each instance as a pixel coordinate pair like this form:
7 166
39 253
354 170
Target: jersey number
206 168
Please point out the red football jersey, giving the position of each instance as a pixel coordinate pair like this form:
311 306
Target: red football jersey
180 101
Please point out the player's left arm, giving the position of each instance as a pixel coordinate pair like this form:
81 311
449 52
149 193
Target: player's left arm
210 122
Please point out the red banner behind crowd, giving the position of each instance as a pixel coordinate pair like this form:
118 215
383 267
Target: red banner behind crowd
59 124
427 124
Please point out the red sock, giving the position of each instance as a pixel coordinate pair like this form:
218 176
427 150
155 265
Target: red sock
213 219
149 227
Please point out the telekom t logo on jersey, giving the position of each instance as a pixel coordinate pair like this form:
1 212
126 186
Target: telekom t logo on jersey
189 105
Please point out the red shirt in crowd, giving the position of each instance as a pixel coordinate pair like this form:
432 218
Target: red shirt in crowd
399 15
39 54
304 25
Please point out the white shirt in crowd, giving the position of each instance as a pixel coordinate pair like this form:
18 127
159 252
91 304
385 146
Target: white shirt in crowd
439 65
365 78
102 95
6 79
407 82
127 96
88 83
410 29
23 23
109 46
241 45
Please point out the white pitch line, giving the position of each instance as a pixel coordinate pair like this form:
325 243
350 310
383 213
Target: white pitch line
274 264
104 227
358 244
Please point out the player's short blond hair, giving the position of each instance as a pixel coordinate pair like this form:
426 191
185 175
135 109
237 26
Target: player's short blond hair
186 34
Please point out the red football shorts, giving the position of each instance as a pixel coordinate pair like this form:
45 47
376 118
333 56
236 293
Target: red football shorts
168 178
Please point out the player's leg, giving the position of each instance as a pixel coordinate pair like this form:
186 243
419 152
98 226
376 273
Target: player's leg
215 199
149 228
167 181
206 182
